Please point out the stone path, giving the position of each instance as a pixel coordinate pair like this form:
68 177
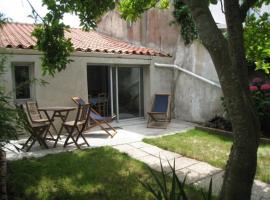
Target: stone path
197 173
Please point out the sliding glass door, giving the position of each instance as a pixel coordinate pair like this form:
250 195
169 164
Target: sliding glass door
127 92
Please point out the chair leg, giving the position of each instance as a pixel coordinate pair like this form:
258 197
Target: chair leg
71 136
40 135
82 136
27 141
104 129
29 147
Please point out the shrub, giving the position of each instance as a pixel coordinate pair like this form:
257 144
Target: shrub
260 91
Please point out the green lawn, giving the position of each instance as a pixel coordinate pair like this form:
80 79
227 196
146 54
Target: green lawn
100 173
210 148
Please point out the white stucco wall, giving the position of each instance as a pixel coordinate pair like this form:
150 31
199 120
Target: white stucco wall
73 80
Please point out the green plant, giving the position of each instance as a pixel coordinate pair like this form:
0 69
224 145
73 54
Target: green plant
257 43
50 34
183 17
174 191
260 92
8 114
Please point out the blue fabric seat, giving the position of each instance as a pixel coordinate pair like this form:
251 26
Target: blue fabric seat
160 114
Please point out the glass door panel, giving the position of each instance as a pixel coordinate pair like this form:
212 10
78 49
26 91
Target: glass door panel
128 92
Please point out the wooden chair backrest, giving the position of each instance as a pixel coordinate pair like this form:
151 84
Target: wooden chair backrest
32 109
23 114
82 115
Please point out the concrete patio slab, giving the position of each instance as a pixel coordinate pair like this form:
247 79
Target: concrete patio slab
128 132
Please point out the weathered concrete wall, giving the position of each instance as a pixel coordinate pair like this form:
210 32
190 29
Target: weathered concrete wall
196 100
152 30
160 79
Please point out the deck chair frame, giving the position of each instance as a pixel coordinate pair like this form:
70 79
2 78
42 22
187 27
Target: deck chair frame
93 122
163 118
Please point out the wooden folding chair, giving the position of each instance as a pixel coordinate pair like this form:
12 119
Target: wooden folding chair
37 131
96 119
76 128
160 114
35 116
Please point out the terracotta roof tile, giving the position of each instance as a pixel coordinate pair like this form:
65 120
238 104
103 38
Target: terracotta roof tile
18 35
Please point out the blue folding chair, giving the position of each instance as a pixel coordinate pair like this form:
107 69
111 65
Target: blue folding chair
96 119
160 114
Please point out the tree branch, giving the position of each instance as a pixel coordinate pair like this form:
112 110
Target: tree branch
34 11
245 7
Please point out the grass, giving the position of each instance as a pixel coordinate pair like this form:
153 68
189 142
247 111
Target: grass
211 148
100 173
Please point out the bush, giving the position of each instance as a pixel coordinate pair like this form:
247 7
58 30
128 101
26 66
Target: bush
260 91
219 123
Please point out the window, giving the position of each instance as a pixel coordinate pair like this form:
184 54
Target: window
22 81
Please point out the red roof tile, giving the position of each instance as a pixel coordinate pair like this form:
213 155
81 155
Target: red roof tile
18 35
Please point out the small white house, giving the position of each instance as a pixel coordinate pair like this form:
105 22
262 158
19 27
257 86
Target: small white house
101 64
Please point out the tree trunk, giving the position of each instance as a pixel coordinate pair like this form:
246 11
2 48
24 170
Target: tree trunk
229 60
3 174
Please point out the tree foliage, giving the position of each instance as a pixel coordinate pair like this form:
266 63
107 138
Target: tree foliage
257 41
184 18
8 114
50 33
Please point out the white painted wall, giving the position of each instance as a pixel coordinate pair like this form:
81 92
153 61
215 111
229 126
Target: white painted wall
73 80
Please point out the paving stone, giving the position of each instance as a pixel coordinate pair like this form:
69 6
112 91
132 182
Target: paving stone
204 168
168 155
123 147
149 159
153 150
260 191
139 144
191 176
217 180
183 162
136 153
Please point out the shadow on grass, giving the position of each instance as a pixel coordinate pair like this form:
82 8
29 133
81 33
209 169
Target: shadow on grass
101 173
